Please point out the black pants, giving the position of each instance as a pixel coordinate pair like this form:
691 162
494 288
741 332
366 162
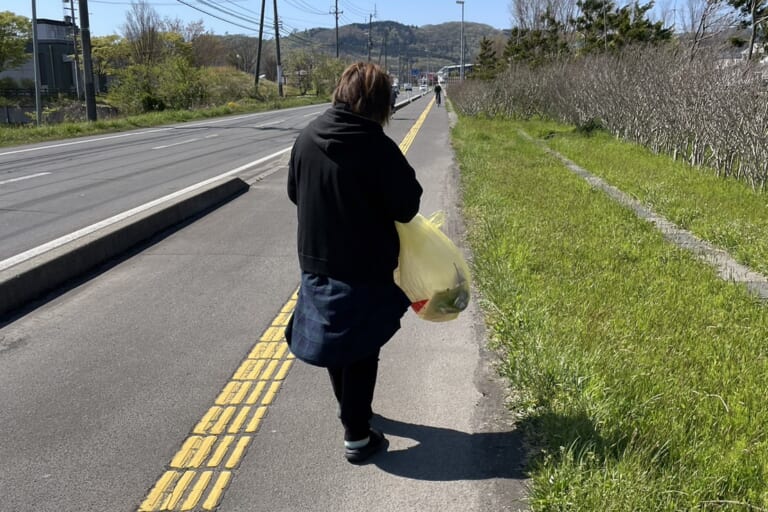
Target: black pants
353 386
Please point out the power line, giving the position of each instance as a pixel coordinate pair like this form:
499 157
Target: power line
159 4
304 7
358 11
214 16
228 12
243 9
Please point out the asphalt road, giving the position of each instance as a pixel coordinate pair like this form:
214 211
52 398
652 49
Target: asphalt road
105 389
52 189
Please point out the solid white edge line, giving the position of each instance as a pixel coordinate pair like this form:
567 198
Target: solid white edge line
40 249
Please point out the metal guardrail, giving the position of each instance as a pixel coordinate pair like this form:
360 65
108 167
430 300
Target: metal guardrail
29 92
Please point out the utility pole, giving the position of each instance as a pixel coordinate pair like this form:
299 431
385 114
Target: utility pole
386 36
461 69
85 30
74 44
277 47
336 12
258 53
38 105
370 42
399 66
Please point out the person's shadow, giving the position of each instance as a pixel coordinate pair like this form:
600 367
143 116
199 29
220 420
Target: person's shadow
442 454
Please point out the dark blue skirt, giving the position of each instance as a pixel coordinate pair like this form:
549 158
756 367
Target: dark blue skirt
336 323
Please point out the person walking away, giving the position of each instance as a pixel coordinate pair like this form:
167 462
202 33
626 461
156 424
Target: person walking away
395 92
438 94
350 183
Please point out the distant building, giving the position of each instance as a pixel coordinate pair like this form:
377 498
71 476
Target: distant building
450 74
55 52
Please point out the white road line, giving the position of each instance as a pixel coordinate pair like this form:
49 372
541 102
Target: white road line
176 143
26 255
267 124
23 178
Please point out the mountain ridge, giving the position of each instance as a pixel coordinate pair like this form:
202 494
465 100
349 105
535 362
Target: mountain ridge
395 45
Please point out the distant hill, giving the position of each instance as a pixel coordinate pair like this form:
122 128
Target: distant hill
396 45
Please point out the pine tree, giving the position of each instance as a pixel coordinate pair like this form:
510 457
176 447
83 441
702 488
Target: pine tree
487 65
605 27
537 46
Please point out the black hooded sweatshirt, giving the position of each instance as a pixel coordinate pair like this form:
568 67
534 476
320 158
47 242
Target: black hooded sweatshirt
350 183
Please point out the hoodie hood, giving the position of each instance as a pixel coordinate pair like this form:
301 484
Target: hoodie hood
337 128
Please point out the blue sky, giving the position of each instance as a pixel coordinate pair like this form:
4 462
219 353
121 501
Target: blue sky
107 16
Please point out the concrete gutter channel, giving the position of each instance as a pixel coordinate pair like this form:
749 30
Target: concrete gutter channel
32 279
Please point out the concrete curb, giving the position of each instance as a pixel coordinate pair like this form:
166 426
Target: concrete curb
39 275
410 99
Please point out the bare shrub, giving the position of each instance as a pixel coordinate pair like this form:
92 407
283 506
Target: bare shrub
700 110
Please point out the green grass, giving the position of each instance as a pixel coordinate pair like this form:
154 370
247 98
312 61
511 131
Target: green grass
726 212
10 136
640 377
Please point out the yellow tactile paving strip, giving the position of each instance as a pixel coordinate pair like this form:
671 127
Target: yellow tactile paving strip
199 473
201 470
408 139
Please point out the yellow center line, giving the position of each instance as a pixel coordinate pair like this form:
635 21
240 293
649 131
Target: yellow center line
220 440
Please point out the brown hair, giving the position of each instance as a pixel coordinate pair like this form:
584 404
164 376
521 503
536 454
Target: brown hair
366 89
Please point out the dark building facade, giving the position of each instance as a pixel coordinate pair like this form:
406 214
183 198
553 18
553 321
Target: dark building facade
56 51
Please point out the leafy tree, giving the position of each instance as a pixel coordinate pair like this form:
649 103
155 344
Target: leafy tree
109 54
179 84
328 70
135 89
173 44
299 68
15 33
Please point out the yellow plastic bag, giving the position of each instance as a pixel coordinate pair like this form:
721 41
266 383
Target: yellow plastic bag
432 271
